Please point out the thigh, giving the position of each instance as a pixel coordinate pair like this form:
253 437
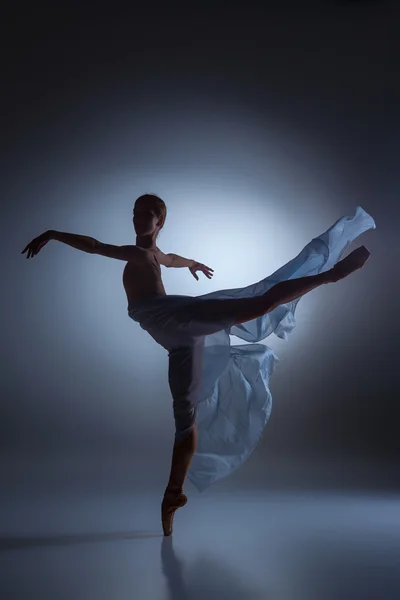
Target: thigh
205 317
184 377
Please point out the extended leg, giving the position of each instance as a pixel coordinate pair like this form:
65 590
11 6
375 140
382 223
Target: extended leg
215 311
286 291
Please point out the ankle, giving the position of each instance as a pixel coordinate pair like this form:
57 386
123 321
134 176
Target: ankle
173 490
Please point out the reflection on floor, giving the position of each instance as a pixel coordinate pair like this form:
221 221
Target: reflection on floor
308 546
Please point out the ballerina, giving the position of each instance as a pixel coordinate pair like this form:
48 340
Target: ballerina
182 324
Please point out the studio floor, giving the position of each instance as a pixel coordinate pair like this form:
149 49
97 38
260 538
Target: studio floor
286 546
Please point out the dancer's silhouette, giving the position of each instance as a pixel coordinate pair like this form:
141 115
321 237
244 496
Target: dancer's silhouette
181 323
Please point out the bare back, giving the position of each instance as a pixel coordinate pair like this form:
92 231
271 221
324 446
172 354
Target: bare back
142 276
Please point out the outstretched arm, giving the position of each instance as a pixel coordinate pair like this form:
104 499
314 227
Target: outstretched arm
174 260
93 246
80 242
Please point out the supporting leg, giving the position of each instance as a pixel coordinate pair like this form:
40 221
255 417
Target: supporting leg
184 376
174 497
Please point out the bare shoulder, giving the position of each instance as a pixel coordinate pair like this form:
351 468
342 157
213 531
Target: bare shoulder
163 259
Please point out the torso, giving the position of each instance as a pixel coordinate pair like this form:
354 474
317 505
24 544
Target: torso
142 276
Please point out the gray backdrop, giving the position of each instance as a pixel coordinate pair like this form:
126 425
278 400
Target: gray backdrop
259 129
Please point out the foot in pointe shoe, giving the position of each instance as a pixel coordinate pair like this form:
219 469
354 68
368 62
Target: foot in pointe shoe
355 260
171 502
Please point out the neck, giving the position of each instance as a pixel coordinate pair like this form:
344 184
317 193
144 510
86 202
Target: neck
146 241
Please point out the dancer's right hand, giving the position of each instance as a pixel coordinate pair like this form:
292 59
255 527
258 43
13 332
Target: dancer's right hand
37 244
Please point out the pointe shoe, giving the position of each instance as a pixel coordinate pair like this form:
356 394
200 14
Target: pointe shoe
354 261
170 504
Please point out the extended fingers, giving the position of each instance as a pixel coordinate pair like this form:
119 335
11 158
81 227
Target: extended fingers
30 250
208 272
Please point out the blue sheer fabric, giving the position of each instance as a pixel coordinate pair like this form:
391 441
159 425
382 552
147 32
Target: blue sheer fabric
224 388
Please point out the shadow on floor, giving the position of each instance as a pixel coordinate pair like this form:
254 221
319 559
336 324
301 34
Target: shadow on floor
19 543
207 578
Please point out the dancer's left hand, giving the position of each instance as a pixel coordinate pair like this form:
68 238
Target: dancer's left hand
200 267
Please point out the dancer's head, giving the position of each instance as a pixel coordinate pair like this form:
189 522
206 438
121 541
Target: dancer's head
149 216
